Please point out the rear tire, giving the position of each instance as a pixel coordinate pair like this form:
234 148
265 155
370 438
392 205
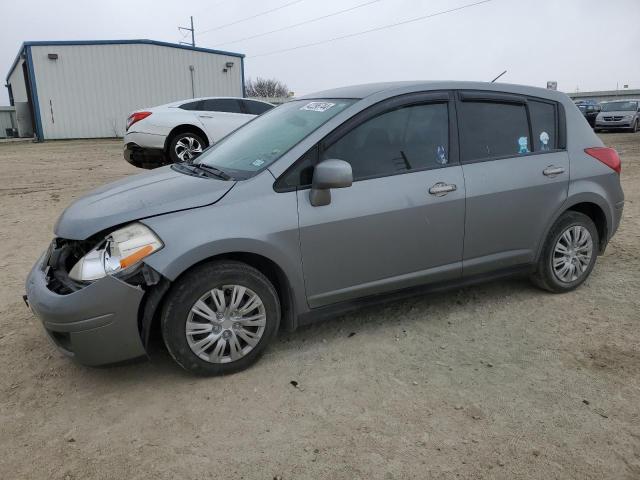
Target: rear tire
201 311
563 265
185 146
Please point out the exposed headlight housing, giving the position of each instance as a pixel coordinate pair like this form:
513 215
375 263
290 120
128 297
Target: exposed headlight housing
119 251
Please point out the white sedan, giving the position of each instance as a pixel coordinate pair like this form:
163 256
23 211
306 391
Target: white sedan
179 131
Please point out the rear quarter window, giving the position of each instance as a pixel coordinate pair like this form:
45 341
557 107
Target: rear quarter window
197 105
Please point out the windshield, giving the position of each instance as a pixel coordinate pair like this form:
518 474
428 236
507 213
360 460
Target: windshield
620 107
264 140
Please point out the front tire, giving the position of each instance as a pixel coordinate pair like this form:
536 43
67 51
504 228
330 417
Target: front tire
569 253
635 126
220 317
185 146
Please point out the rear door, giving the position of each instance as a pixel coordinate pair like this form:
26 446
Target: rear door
401 222
221 116
516 170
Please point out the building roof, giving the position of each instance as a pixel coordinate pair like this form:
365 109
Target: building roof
115 42
606 93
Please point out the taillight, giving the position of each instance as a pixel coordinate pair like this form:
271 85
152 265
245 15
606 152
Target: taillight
136 117
608 156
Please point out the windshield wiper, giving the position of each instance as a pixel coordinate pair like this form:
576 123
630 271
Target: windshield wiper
213 170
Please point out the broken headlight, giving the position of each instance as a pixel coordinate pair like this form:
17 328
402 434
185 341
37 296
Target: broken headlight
120 250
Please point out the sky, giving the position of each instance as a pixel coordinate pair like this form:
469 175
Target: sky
581 44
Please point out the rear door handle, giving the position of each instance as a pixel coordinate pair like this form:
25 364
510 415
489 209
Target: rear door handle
440 189
205 116
552 171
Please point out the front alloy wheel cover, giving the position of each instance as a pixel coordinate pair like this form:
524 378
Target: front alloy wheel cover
225 324
572 254
187 148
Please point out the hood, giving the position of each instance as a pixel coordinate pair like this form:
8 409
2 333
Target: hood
162 190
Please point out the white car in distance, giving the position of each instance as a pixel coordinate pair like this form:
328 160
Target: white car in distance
179 131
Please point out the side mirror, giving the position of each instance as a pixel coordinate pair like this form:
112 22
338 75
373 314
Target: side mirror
329 174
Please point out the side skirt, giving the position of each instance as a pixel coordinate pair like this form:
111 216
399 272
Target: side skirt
329 311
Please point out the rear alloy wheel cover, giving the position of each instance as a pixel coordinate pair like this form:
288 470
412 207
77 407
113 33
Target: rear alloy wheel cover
572 254
187 148
225 324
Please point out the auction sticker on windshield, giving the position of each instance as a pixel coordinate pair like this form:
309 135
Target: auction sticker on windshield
318 106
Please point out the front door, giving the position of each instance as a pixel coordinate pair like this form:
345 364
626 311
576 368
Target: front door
516 170
401 223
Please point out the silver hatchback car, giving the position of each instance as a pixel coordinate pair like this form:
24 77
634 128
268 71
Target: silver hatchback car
328 202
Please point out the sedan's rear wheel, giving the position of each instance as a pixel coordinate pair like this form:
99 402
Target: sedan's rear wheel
186 146
219 318
569 253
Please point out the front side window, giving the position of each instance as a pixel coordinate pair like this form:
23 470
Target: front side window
227 105
409 138
492 129
543 125
265 139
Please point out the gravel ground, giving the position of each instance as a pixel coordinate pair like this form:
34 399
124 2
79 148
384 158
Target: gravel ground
494 381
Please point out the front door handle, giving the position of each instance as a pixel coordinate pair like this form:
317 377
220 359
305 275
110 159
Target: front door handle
440 189
552 171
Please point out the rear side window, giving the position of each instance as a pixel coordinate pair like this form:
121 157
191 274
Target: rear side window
410 138
197 105
227 105
492 129
544 125
256 108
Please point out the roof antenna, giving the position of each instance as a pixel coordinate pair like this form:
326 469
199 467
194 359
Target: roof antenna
492 81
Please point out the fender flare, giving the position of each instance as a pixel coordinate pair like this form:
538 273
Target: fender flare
583 197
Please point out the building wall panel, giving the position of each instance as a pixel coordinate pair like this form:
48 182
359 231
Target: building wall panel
16 80
89 90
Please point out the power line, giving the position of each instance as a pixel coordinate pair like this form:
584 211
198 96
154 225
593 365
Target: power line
376 29
219 27
298 24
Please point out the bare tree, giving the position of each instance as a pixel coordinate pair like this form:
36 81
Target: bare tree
266 88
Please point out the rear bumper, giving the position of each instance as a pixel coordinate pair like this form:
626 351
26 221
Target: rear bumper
617 217
143 157
152 141
97 325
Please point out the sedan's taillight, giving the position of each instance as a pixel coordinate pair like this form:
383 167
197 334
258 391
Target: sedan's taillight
136 117
608 156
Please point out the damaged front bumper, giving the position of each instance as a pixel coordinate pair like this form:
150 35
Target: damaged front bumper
96 323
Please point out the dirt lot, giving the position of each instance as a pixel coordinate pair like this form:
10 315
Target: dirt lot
495 381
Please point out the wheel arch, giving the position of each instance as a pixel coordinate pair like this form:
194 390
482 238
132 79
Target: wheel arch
590 204
265 265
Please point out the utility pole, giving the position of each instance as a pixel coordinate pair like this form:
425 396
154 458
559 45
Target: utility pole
193 37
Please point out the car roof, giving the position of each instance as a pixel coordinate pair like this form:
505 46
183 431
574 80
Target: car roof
177 103
391 88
